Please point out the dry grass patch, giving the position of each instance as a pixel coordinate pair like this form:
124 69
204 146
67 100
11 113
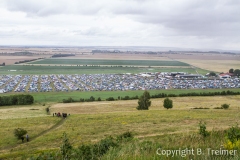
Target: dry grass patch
14 112
179 103
215 65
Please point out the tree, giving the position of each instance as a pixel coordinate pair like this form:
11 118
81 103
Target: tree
167 103
225 106
212 74
92 98
19 133
236 72
144 101
231 70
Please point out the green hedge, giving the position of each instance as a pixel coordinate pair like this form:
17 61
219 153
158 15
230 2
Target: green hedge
16 100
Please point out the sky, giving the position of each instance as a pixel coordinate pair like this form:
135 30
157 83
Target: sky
200 24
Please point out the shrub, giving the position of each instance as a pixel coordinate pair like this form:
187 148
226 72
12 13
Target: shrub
167 103
217 108
202 129
91 99
200 108
66 147
19 133
225 106
81 100
233 133
110 99
125 137
47 109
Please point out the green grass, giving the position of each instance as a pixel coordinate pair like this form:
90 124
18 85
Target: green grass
110 62
34 125
43 97
25 69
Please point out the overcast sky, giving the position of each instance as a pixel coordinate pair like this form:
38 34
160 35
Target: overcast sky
207 24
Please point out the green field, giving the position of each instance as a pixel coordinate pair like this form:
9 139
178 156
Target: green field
109 62
27 69
43 97
90 122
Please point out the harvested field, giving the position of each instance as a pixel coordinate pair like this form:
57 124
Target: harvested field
180 103
213 62
45 50
215 65
10 60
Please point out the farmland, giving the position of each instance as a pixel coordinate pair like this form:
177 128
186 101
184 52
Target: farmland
31 69
110 62
90 122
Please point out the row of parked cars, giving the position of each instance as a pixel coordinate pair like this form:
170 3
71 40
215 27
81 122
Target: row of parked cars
106 82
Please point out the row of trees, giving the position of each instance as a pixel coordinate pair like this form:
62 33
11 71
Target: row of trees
160 95
25 61
16 100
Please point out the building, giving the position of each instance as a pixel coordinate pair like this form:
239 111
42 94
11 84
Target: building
226 75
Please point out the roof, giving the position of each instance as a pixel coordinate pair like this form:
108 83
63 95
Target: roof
226 74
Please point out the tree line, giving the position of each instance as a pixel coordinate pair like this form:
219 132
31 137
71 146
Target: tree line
160 95
16 100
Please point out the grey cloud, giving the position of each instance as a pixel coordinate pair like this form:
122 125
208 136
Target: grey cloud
194 18
45 8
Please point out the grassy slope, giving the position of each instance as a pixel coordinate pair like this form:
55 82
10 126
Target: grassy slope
114 118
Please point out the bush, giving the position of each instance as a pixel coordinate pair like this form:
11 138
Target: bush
81 100
66 147
91 99
200 108
69 100
202 129
125 137
47 109
217 108
167 103
233 134
225 106
110 99
19 133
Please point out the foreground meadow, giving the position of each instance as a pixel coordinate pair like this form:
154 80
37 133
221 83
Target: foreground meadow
89 122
